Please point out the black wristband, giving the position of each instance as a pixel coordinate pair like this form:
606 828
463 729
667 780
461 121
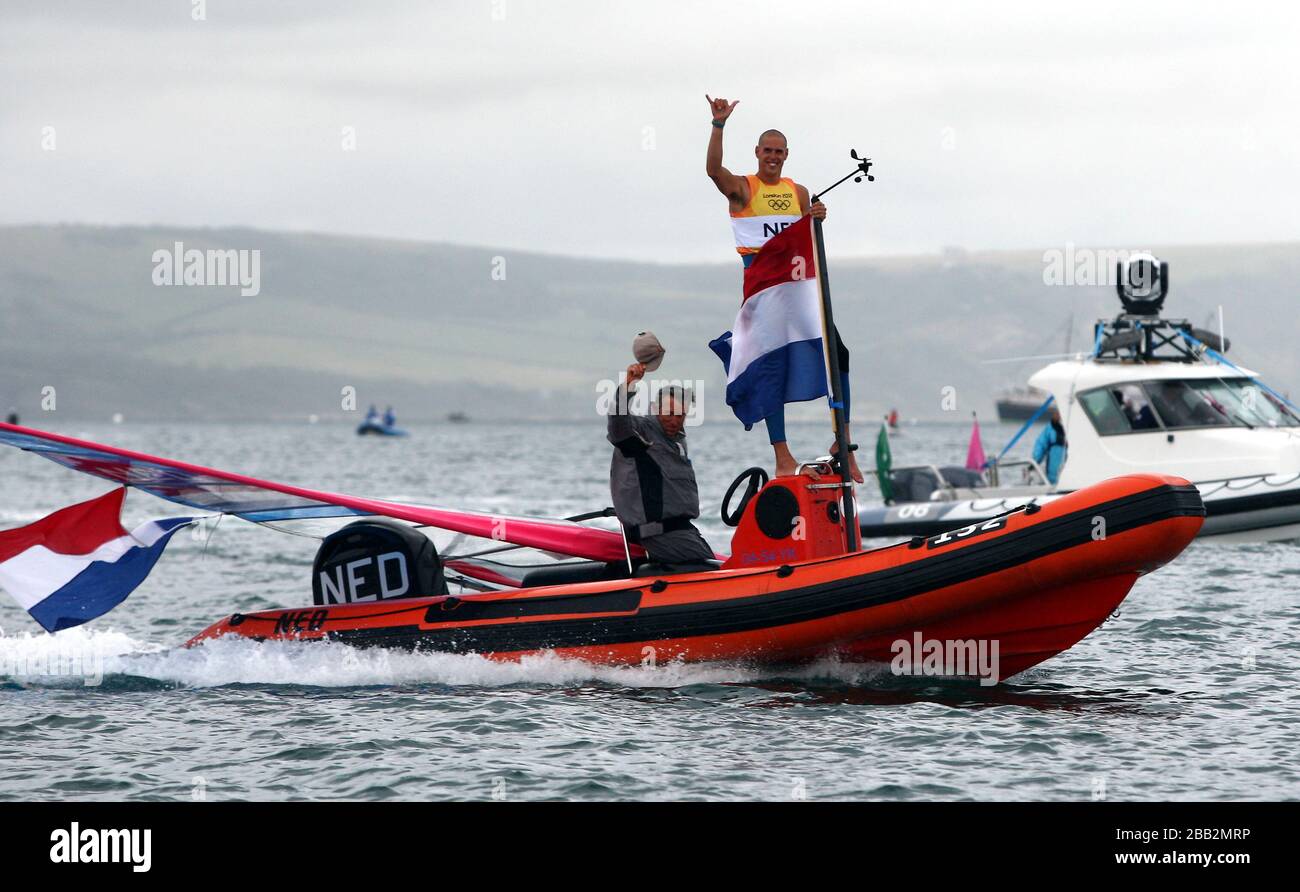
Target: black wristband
719 124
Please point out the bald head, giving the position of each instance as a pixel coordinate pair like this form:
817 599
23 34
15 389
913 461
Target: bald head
771 153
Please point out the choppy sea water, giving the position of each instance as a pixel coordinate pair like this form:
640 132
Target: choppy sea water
1188 693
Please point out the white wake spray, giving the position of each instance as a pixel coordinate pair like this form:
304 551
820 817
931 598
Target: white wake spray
41 659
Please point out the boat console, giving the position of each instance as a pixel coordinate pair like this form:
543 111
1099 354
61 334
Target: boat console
787 519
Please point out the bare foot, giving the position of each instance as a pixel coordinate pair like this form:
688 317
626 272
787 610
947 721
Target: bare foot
786 466
853 463
853 468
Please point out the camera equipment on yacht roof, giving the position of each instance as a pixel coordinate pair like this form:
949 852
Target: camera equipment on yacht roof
1140 333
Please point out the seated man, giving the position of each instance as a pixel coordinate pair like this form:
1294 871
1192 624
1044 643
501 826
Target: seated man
650 477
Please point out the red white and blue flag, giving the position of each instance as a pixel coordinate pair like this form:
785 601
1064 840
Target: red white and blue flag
773 354
79 563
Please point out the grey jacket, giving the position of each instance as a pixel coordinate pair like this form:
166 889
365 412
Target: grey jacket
650 477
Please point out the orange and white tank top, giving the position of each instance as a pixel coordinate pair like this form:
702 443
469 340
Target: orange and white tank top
770 209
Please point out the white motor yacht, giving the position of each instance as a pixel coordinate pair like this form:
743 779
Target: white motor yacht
1155 395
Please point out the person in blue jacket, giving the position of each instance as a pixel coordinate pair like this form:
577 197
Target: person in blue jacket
1050 447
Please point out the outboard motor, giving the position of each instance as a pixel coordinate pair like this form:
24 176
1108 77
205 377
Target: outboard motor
376 560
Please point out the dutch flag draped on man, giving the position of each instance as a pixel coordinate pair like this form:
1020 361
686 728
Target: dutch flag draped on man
773 354
79 563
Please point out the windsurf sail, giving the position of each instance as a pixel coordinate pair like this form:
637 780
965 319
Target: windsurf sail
264 501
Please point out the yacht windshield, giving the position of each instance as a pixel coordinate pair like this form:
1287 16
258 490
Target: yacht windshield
1245 402
1104 412
1180 405
1136 406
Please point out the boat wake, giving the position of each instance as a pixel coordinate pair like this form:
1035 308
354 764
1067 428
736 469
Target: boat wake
113 660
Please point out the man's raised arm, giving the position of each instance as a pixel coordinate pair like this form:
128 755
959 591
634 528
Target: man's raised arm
728 183
619 424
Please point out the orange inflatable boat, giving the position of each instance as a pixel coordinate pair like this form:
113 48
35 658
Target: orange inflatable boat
1006 592
1025 586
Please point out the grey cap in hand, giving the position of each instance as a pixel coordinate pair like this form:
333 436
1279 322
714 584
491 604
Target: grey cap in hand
647 350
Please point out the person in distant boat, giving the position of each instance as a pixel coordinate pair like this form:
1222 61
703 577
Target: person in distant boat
762 204
1050 447
1137 407
372 414
12 417
389 418
651 479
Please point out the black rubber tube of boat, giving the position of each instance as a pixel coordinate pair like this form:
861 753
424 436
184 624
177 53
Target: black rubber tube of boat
830 340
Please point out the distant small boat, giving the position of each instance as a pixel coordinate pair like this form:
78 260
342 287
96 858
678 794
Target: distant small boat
1019 403
457 417
379 429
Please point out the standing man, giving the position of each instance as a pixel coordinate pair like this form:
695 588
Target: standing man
762 204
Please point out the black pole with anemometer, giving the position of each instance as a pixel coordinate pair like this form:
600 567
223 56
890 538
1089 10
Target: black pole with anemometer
830 338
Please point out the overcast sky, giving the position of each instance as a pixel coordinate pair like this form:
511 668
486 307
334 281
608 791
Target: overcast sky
580 127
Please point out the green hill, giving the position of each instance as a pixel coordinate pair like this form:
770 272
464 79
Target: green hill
428 328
